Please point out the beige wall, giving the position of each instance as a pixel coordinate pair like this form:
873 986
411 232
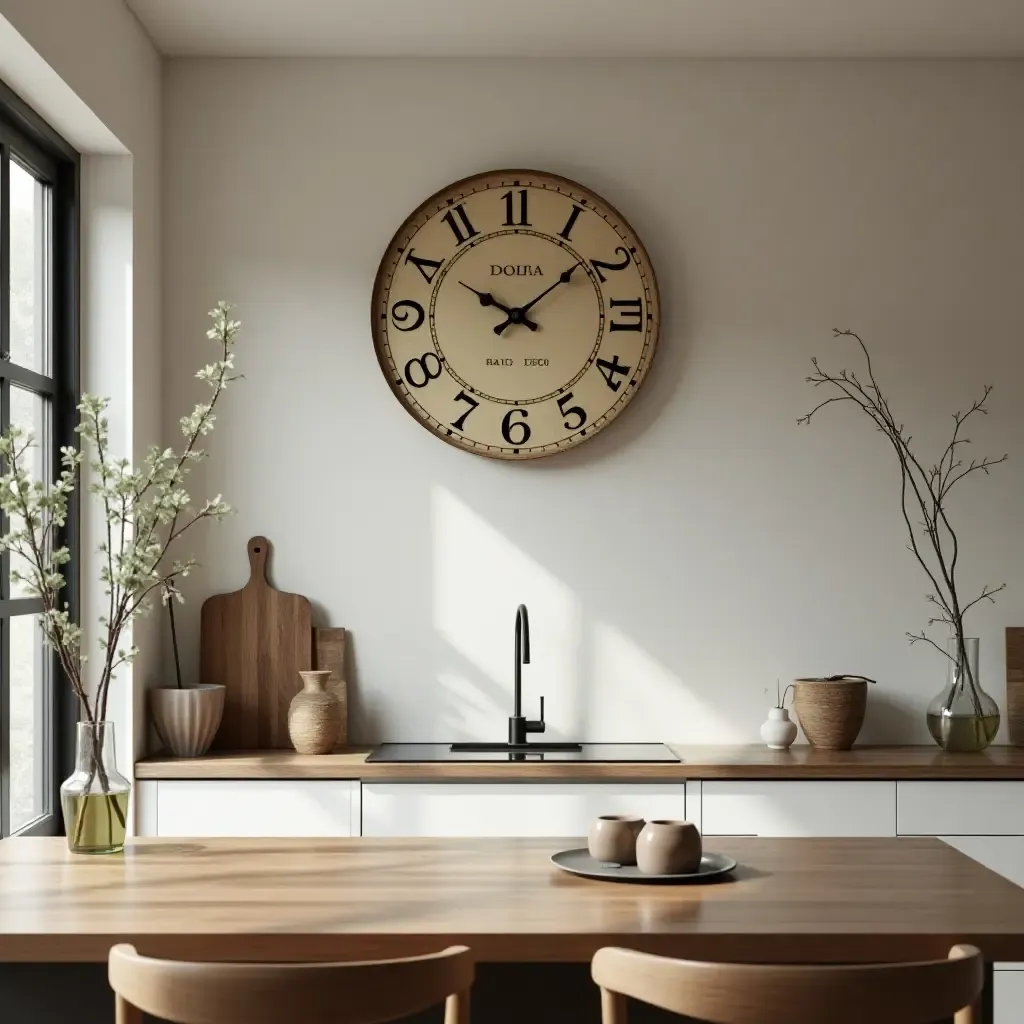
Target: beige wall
105 97
703 545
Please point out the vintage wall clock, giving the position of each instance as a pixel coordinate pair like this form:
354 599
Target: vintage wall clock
515 314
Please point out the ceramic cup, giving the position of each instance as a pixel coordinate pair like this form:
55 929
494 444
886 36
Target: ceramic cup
668 848
612 838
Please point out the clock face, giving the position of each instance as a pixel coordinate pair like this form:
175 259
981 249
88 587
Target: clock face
515 314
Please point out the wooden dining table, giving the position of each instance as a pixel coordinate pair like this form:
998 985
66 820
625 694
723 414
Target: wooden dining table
788 901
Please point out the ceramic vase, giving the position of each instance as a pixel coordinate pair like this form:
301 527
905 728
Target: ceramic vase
612 838
779 730
668 848
314 715
94 798
187 719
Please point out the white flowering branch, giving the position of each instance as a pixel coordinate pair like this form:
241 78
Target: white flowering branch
145 511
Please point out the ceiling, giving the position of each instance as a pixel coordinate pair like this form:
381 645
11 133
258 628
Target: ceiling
586 28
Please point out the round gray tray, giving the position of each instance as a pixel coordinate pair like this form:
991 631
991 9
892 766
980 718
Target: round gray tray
579 862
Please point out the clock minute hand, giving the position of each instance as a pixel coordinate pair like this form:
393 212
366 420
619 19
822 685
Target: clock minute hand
516 315
487 299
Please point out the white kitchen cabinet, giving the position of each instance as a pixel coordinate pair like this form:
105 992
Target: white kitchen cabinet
509 809
960 808
1002 854
1005 856
782 809
205 808
1008 997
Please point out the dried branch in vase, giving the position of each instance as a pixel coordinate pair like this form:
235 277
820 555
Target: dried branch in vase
924 492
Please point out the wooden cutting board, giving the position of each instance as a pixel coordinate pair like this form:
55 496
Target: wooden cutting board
255 642
1015 684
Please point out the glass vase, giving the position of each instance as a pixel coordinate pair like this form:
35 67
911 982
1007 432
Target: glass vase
94 797
963 717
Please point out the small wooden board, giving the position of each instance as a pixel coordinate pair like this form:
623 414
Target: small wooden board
1015 684
255 642
329 654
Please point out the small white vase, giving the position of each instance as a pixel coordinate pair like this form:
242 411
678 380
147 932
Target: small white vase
779 730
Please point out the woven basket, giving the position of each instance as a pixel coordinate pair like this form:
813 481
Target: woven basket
831 711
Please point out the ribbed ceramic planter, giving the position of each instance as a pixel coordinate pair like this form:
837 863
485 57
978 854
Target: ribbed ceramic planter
187 720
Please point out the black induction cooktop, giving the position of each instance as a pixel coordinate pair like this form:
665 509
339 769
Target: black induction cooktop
608 753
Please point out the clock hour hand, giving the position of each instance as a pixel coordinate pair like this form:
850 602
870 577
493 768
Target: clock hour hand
487 299
515 316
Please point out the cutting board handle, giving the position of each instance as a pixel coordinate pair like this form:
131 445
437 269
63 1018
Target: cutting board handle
258 549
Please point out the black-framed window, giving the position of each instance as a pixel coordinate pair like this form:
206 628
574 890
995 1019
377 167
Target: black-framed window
38 391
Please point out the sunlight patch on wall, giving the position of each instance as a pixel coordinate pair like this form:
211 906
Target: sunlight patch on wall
633 696
479 577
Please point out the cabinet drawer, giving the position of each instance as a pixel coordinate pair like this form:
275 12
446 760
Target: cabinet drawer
509 809
1008 997
784 809
1002 854
257 808
960 808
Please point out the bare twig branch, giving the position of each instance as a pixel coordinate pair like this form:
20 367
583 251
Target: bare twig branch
923 491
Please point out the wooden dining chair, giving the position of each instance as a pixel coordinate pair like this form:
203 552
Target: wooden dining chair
914 993
305 993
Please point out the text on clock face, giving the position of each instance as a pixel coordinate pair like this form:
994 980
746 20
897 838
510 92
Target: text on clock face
512 362
516 270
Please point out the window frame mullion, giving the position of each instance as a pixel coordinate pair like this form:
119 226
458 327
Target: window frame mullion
31 143
5 558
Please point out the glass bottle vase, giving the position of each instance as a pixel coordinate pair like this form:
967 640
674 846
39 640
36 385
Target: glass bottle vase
94 798
963 717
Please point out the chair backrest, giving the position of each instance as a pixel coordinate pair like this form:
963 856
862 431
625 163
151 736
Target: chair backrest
915 993
311 993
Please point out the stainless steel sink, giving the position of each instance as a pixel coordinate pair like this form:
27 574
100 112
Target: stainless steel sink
609 753
514 748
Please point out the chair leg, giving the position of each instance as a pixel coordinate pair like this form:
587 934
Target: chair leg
456 1008
125 1013
613 1007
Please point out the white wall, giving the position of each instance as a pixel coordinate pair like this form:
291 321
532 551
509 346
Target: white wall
704 544
93 73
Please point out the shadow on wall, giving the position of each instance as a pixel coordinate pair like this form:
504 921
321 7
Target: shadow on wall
599 684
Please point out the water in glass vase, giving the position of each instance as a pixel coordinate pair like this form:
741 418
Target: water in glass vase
963 733
94 798
95 821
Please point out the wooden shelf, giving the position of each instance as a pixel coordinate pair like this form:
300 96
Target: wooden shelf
698 762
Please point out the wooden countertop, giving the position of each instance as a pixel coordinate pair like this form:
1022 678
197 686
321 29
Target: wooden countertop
795 900
698 762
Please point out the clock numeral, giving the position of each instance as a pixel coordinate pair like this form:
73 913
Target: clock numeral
430 367
508 425
577 411
567 230
405 309
633 308
611 370
471 402
457 228
428 268
510 220
600 265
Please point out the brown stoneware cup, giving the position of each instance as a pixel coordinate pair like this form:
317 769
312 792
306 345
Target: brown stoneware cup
668 848
612 838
